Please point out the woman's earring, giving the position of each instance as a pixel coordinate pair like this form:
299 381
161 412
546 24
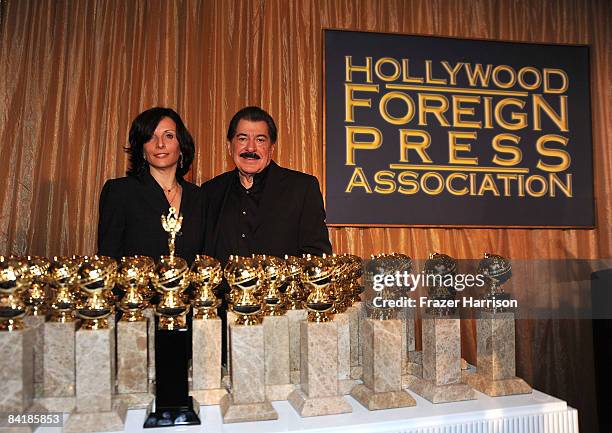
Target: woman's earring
181 160
144 156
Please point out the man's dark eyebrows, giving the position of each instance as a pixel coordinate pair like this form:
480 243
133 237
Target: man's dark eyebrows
263 135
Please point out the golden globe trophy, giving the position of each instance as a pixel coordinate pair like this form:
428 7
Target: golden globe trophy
274 272
16 341
35 297
496 368
382 342
59 376
171 277
247 400
206 275
95 354
295 296
441 380
318 393
133 278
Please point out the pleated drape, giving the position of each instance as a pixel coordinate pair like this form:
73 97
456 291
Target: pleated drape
74 73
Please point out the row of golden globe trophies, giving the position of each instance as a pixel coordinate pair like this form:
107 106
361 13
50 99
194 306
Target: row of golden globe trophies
326 286
81 287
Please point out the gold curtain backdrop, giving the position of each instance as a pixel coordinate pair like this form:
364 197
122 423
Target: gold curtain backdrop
74 73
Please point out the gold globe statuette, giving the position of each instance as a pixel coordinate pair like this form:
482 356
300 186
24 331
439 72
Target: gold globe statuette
35 295
13 281
171 278
274 274
355 288
317 277
95 279
245 279
294 294
133 278
206 275
497 271
60 276
342 277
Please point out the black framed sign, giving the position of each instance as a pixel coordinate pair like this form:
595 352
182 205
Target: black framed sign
431 131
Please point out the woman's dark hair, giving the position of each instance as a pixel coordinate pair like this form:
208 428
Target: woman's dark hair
142 130
254 114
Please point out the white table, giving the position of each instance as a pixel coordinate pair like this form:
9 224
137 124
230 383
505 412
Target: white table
531 413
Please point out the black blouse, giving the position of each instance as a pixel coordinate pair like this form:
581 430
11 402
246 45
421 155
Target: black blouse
130 219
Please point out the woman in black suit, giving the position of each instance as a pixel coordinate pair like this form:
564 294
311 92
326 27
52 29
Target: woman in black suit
161 151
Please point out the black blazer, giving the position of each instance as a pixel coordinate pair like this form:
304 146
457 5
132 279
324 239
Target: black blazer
290 220
130 219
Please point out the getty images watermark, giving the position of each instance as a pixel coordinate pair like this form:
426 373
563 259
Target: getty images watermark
406 281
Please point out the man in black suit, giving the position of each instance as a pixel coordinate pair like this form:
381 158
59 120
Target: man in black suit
260 207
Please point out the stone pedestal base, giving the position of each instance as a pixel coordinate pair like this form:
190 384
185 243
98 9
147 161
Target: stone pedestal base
316 406
439 393
381 400
319 393
58 404
113 420
59 359
295 317
357 372
279 392
277 357
206 361
36 324
247 401
150 315
17 371
208 397
382 366
496 388
353 314
136 400
132 344
345 386
415 363
245 412
344 346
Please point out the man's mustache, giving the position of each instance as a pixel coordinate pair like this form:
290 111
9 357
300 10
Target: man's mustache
251 155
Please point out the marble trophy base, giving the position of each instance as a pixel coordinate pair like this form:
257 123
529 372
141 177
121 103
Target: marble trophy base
59 373
95 411
135 400
353 314
295 377
244 412
414 366
208 397
319 393
318 406
36 324
345 383
382 366
278 384
207 387
496 388
247 400
17 370
345 386
279 392
357 372
441 359
439 393
106 421
382 400
58 404
295 317
132 345
495 375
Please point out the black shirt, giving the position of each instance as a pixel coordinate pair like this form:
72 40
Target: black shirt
241 212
